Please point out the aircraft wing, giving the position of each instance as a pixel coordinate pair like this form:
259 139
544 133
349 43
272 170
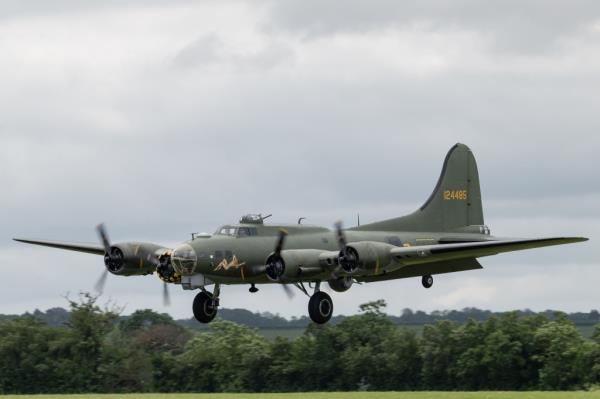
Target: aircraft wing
96 249
429 253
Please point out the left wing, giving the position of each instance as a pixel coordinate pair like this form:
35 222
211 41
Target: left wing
95 249
437 252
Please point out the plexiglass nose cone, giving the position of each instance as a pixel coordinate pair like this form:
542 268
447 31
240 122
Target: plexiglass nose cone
184 259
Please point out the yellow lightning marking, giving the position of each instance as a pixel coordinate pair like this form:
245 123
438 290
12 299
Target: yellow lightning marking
225 265
136 250
141 263
377 266
242 272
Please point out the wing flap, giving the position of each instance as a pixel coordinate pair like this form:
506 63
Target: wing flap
95 249
432 267
427 253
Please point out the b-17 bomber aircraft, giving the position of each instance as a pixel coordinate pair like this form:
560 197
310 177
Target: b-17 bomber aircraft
447 234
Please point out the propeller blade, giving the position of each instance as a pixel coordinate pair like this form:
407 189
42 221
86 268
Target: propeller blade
99 286
288 291
104 238
347 258
280 241
275 265
340 236
166 296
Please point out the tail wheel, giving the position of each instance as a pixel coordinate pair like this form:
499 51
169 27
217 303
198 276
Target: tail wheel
427 281
320 307
204 307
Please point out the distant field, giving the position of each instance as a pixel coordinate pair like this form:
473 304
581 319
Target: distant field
340 395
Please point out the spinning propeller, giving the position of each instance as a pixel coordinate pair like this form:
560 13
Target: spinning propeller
163 268
348 258
110 259
275 266
114 259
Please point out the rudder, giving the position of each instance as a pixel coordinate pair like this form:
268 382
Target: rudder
454 204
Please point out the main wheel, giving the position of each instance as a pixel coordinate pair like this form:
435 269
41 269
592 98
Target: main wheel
320 307
204 307
427 281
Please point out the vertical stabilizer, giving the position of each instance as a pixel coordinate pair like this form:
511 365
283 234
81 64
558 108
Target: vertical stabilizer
454 204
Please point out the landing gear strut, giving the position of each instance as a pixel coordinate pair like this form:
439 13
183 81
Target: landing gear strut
205 305
427 281
320 306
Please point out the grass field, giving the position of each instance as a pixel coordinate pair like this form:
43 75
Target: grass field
338 395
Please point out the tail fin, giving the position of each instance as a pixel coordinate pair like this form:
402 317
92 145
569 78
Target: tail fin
454 204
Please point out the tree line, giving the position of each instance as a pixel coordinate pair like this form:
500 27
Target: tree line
97 351
267 320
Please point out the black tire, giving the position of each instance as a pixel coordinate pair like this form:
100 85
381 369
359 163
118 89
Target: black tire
320 307
204 308
427 281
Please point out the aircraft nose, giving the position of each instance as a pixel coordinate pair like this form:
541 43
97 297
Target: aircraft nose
184 259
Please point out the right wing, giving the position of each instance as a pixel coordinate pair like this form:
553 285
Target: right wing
438 252
95 249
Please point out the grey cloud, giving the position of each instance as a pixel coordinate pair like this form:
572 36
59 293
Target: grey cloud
37 8
514 26
210 50
204 50
189 134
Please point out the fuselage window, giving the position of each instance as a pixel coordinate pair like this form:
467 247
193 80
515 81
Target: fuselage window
243 232
246 231
218 256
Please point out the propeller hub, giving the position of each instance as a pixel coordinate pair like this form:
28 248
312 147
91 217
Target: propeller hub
165 270
275 268
114 260
348 259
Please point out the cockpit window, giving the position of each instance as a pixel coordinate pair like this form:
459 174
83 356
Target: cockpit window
237 231
226 231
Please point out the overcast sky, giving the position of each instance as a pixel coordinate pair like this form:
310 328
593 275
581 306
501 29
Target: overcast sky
165 118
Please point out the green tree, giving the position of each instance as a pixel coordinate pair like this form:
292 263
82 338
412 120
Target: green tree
30 360
373 307
315 359
143 319
228 358
124 366
439 351
563 355
87 327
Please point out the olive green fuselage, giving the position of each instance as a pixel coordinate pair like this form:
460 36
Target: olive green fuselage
232 259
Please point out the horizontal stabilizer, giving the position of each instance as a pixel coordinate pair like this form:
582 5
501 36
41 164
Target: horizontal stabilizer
70 246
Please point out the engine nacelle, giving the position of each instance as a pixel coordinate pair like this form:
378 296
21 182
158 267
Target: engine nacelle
341 284
131 258
370 254
294 263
